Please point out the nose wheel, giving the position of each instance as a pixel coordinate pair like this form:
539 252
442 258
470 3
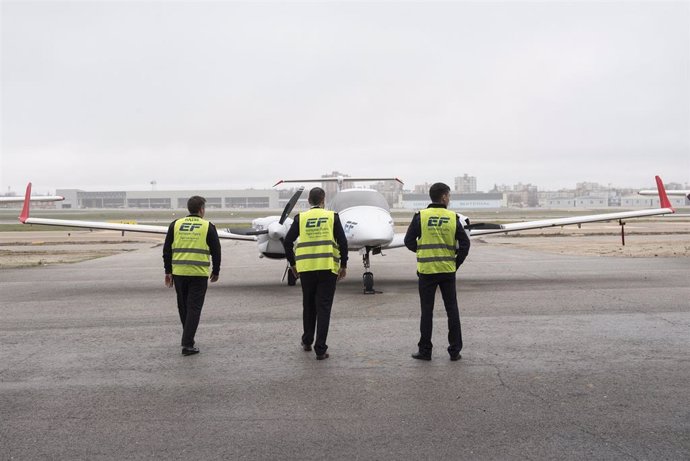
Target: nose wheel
368 279
368 276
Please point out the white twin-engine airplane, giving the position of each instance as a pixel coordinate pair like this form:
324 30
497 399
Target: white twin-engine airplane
366 219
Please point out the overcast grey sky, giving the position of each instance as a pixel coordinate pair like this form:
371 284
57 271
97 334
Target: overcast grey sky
111 94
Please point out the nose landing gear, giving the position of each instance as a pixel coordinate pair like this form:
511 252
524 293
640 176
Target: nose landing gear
368 276
368 279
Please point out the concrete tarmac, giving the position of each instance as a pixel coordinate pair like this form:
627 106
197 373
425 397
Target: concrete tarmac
566 357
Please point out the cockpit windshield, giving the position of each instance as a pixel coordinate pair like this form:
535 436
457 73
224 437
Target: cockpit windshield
357 197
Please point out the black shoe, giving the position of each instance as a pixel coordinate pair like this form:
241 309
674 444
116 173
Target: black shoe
190 350
322 356
455 357
306 347
420 356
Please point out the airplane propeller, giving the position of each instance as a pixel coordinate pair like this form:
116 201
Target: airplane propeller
290 205
275 229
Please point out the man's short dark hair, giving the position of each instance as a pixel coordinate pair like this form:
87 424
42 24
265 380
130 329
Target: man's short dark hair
195 204
437 191
316 196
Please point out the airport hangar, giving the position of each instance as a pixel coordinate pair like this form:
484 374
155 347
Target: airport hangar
246 198
168 199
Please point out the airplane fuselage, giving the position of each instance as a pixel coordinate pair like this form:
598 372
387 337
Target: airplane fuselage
365 217
366 226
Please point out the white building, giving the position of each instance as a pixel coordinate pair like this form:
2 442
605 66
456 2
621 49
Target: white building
597 202
413 201
640 201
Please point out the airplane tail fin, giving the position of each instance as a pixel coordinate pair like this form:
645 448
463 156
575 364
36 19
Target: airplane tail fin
27 200
663 198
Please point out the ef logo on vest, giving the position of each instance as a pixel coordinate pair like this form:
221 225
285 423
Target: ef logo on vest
435 221
189 227
315 222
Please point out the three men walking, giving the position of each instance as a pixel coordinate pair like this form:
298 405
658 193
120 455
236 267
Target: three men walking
319 259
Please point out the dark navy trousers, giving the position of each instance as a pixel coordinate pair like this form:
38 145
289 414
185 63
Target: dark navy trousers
318 290
428 283
191 291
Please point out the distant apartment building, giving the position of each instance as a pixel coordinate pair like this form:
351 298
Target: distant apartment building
466 184
583 188
519 195
421 188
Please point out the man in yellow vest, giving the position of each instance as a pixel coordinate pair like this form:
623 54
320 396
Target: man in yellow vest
319 259
438 237
189 246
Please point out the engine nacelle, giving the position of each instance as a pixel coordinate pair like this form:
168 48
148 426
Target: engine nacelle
270 245
269 248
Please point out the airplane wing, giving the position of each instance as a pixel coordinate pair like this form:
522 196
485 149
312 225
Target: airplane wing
529 225
666 208
486 229
24 218
35 198
398 238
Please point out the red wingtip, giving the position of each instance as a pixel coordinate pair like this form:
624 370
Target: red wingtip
279 182
663 198
27 199
398 179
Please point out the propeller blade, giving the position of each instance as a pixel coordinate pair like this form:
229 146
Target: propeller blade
248 231
290 205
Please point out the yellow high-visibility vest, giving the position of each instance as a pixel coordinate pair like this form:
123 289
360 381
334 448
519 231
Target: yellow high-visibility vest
436 245
316 249
190 252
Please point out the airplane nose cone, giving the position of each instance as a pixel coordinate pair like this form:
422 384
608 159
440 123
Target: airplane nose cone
276 230
368 227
